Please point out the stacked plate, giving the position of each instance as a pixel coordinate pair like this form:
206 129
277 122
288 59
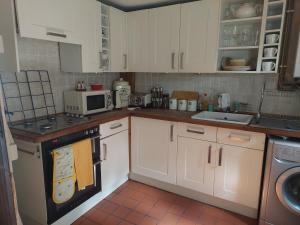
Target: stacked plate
236 65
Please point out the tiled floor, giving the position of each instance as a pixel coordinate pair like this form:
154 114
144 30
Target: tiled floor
139 204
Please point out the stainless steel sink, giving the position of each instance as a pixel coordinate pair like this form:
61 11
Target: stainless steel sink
277 123
224 117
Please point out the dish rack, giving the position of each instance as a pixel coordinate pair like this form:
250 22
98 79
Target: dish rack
27 95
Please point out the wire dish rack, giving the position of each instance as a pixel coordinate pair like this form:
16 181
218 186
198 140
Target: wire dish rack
27 95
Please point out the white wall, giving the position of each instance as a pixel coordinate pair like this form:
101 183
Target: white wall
243 88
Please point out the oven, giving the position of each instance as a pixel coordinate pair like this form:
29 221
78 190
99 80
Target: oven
56 211
87 102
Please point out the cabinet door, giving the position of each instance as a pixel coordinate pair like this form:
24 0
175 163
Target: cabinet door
238 175
138 25
164 24
198 36
118 39
195 164
115 160
9 60
153 149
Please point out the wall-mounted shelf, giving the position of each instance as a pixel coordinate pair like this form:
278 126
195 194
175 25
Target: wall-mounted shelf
239 48
105 39
251 19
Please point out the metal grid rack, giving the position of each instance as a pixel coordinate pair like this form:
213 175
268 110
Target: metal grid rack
27 95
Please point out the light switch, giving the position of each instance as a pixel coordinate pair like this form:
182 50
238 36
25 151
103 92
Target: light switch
1 45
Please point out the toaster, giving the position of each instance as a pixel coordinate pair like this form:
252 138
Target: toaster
140 100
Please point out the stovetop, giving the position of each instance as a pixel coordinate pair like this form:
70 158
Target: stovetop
49 124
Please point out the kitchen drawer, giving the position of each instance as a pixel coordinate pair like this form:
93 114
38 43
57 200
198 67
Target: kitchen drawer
113 127
241 138
198 132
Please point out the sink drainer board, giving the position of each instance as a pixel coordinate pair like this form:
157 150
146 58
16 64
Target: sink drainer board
224 117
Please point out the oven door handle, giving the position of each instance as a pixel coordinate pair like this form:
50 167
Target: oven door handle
94 144
95 172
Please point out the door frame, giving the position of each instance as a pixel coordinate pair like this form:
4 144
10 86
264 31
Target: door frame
7 205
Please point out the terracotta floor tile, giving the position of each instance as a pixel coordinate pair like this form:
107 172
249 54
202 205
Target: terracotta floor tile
88 222
205 219
121 212
158 212
184 221
78 221
125 223
107 206
138 196
176 209
117 199
169 219
135 217
130 203
149 221
111 220
144 208
96 215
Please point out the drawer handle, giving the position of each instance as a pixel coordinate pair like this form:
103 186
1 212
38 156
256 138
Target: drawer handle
115 126
56 34
220 156
239 137
209 155
172 133
105 152
195 131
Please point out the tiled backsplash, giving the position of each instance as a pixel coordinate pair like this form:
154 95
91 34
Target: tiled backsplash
242 88
44 55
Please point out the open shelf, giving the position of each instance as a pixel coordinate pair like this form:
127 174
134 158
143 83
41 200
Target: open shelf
238 48
250 19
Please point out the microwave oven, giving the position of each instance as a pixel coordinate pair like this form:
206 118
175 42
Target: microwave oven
87 102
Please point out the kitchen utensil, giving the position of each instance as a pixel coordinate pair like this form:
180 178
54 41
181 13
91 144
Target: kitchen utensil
96 87
224 101
157 97
140 100
192 105
272 38
182 105
121 91
238 62
270 52
268 66
173 103
237 68
246 10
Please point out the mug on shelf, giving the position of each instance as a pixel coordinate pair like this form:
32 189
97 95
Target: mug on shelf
182 105
272 38
173 103
268 66
270 52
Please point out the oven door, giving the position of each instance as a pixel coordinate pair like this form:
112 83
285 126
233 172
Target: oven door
94 103
56 211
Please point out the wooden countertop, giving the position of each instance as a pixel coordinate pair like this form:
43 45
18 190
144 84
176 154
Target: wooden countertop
170 115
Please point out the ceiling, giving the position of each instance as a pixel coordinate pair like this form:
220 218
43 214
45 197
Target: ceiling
130 5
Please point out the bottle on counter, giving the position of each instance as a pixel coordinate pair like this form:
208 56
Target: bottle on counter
205 102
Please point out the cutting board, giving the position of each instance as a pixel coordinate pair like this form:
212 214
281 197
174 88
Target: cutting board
188 95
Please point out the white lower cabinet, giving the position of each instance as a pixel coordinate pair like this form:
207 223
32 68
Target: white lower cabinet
154 149
115 160
195 164
238 174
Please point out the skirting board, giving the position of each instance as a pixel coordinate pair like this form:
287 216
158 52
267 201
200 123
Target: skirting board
234 207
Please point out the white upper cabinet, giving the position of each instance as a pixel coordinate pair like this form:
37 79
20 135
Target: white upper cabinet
196 164
49 19
138 38
238 174
118 40
164 25
9 60
198 31
154 149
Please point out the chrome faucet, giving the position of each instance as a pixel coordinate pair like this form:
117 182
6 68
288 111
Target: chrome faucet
258 115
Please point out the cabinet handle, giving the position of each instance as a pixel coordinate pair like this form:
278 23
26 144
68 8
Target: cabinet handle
173 60
209 155
181 60
239 137
195 131
100 60
172 133
115 126
105 152
220 156
125 61
56 34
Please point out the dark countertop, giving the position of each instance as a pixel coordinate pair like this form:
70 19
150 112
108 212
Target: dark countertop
170 115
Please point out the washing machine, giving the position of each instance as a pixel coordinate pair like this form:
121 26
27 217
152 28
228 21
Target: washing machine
281 188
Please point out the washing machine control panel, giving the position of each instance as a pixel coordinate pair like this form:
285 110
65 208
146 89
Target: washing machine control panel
287 152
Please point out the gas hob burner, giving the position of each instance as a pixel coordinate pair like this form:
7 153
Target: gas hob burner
46 126
51 118
28 124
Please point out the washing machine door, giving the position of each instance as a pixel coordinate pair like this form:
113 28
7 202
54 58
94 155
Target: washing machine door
288 189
